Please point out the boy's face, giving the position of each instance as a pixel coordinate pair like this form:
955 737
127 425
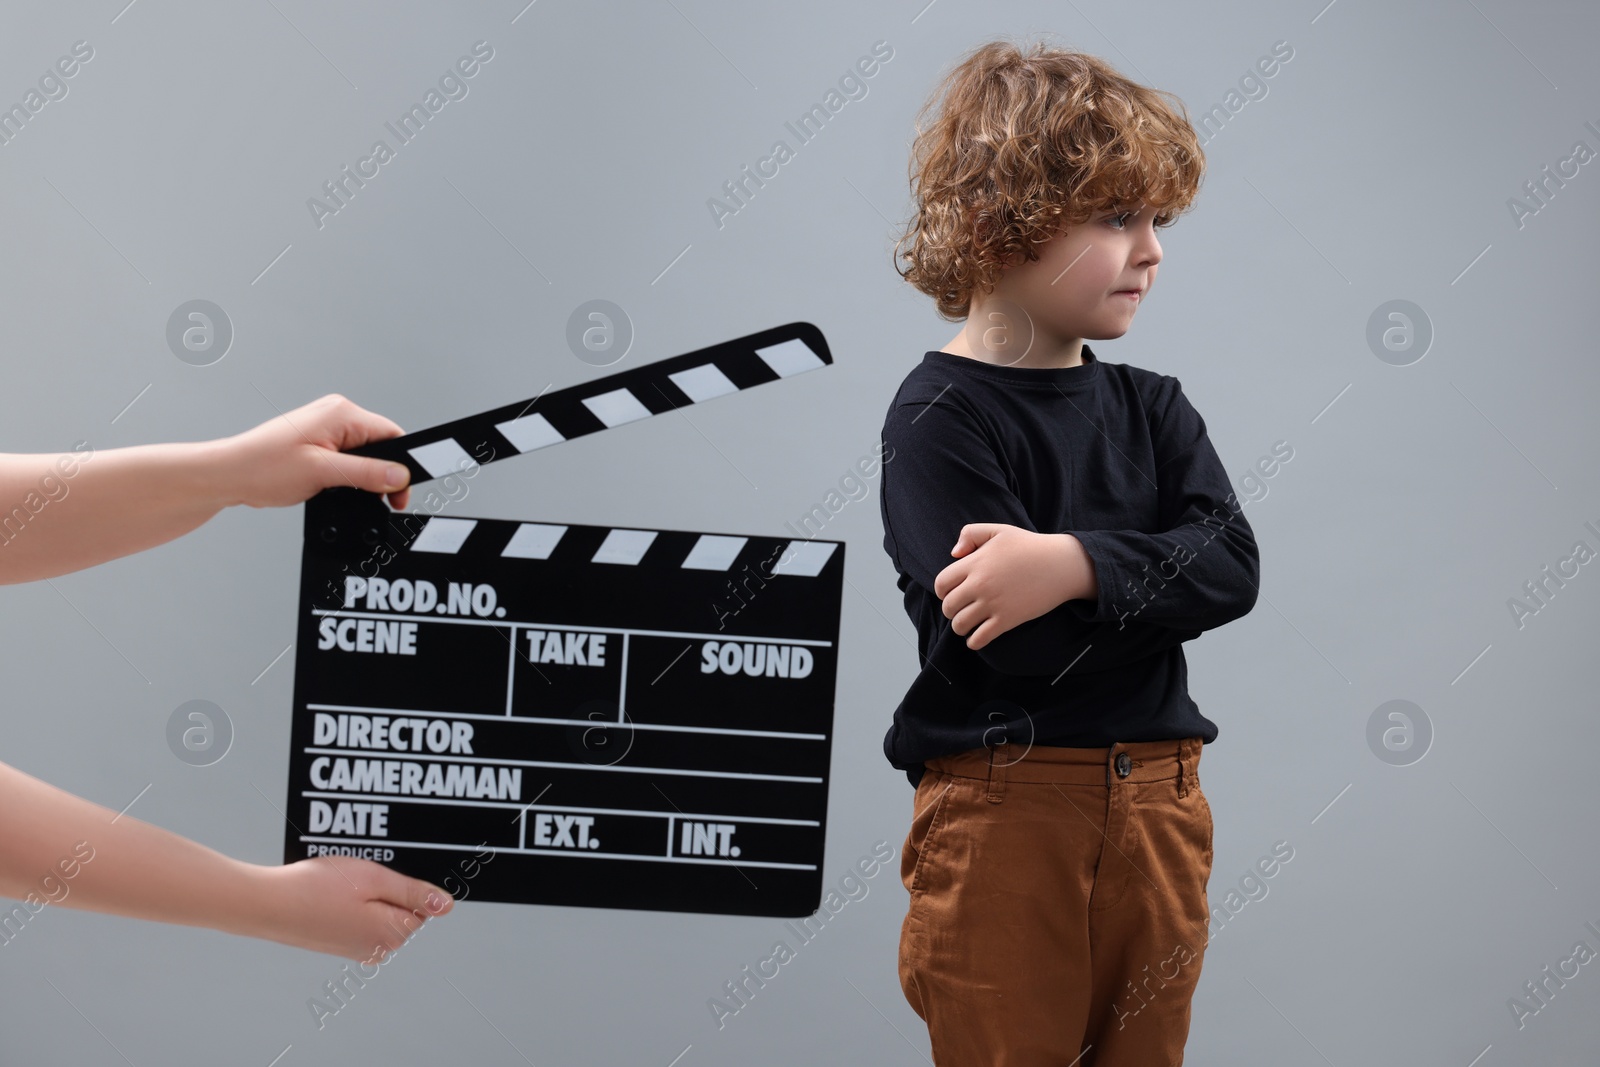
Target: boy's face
1073 289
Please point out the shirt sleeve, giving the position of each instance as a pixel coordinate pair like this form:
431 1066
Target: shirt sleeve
1203 567
941 472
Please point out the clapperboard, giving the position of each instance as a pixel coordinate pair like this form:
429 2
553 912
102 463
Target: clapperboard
630 718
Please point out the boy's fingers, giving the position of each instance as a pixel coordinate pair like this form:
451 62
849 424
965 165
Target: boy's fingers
974 535
982 635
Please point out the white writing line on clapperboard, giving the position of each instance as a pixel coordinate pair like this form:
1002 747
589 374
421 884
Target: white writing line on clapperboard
569 766
562 807
506 850
559 626
546 720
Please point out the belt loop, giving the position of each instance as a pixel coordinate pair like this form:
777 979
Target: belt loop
997 773
1185 766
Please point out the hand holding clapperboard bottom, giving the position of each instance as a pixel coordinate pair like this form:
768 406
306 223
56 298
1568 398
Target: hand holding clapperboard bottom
56 848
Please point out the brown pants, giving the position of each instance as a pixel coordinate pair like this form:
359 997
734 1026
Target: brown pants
1058 908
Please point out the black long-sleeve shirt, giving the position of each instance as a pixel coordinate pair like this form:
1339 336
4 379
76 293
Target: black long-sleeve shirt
1114 455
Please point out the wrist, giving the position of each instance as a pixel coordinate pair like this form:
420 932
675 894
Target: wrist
212 468
1078 581
256 906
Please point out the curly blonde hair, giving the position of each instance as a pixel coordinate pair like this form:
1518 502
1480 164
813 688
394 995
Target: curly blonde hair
1024 143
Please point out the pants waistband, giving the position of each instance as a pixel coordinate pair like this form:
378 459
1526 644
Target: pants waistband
1123 762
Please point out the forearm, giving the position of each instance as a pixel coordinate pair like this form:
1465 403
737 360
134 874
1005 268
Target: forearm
1058 640
113 503
1048 641
1196 576
135 869
1061 573
1065 573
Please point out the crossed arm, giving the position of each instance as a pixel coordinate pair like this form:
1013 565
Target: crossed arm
1018 575
1033 602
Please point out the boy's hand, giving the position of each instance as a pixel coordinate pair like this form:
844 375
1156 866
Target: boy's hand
349 907
291 458
1007 575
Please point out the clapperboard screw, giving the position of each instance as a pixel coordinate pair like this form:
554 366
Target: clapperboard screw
330 534
371 535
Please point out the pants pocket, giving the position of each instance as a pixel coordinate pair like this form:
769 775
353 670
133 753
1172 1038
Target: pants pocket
928 817
1204 808
1207 831
932 801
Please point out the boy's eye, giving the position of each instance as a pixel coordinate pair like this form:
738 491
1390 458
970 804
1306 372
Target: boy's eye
1119 220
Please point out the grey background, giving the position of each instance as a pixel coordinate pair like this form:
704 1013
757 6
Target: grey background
1376 166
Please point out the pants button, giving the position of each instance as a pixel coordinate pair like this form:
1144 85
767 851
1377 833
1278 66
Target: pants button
1124 764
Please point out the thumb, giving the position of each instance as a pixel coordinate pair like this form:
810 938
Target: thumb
425 898
373 475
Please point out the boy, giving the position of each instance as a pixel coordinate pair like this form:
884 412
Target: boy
1060 526
124 500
